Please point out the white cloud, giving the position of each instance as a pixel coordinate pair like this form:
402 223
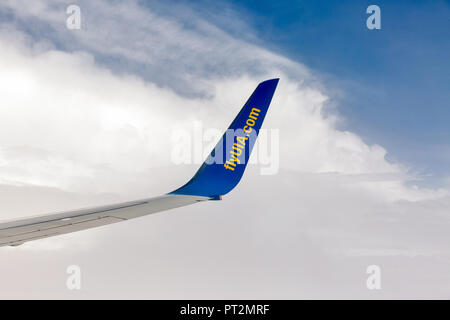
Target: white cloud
77 129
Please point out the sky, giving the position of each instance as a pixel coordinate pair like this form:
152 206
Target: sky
392 83
88 118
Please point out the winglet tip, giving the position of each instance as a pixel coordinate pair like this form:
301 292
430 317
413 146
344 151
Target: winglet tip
274 81
215 179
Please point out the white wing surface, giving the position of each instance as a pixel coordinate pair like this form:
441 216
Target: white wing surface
16 232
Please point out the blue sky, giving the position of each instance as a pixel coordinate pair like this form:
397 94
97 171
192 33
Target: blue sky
393 83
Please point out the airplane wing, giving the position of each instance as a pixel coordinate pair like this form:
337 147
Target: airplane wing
218 175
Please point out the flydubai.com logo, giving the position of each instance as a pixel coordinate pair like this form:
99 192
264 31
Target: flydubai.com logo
195 145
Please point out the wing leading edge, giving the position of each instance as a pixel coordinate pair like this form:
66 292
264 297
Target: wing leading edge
218 175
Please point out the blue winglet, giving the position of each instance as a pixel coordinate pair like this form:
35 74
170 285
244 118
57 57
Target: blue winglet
224 167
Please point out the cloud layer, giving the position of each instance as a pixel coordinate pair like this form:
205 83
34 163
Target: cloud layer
86 118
